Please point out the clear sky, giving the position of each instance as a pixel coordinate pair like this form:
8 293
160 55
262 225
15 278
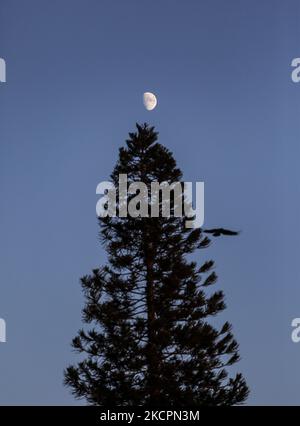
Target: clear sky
227 108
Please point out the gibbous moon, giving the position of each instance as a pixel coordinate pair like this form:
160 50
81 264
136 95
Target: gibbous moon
150 101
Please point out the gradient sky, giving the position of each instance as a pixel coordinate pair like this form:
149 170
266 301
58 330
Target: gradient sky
76 72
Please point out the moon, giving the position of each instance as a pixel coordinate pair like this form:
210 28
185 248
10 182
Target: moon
150 101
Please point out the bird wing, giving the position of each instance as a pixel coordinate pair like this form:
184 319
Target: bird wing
220 231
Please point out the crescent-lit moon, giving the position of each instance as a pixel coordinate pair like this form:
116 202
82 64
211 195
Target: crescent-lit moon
150 101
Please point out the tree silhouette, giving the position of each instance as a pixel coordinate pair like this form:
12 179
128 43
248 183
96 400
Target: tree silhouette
149 341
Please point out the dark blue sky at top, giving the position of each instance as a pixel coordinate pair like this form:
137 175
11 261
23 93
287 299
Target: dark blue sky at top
228 110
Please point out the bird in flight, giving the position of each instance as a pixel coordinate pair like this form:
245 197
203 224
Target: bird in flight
220 231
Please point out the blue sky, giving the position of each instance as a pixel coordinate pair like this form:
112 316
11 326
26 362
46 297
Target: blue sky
227 108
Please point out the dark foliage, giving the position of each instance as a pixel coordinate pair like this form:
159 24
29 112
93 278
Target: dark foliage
150 342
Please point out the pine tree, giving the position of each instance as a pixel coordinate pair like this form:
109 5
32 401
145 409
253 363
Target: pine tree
150 342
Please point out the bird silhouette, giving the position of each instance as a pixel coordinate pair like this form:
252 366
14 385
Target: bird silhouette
217 232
